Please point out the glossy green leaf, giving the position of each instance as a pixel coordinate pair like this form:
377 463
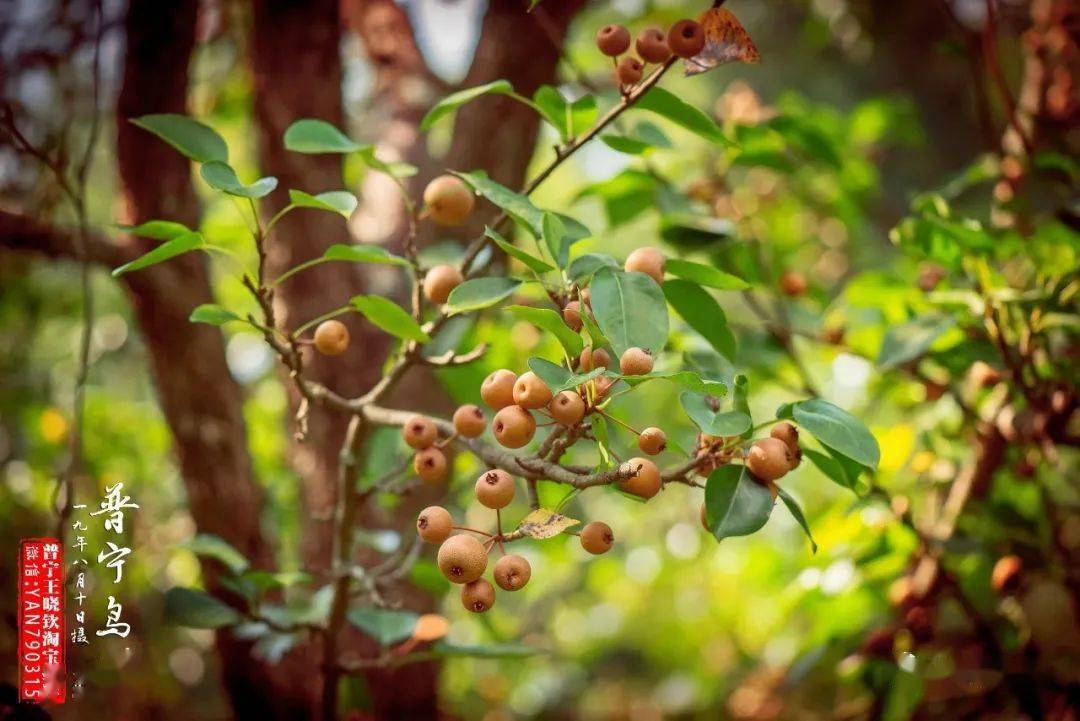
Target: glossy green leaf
552 322
833 469
586 265
157 229
553 108
221 176
553 375
389 316
630 310
670 106
212 315
693 231
583 115
705 275
903 343
702 313
684 379
211 546
193 139
714 423
553 232
480 293
530 261
452 102
797 514
735 503
740 397
395 169
516 205
318 136
169 249
364 254
334 201
837 429
643 138
191 608
387 626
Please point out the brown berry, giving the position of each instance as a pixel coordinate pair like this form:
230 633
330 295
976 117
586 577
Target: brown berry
602 385
530 391
571 314
497 390
652 46
567 408
495 488
629 71
512 572
434 524
439 281
591 359
792 284
331 337
652 441
613 40
420 432
786 433
513 427
478 596
469 421
769 459
462 558
686 38
647 260
597 538
636 362
930 275
448 200
1005 578
645 481
430 465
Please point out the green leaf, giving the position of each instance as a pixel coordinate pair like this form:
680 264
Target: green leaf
364 254
731 423
735 503
452 102
693 231
837 429
704 275
684 379
642 139
553 375
389 316
213 315
580 379
586 265
480 293
903 343
212 546
221 176
318 136
384 625
512 250
669 106
596 336
498 650
552 322
630 310
833 469
905 693
516 205
167 250
583 114
797 514
335 201
553 232
702 313
395 169
553 108
193 139
156 229
740 398
192 608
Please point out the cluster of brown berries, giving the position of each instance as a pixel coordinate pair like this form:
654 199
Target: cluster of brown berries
684 39
768 459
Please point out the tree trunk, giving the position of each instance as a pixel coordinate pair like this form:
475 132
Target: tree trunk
200 399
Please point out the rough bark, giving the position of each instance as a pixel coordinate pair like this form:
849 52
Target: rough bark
200 399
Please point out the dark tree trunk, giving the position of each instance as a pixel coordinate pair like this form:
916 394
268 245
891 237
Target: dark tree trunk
199 397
